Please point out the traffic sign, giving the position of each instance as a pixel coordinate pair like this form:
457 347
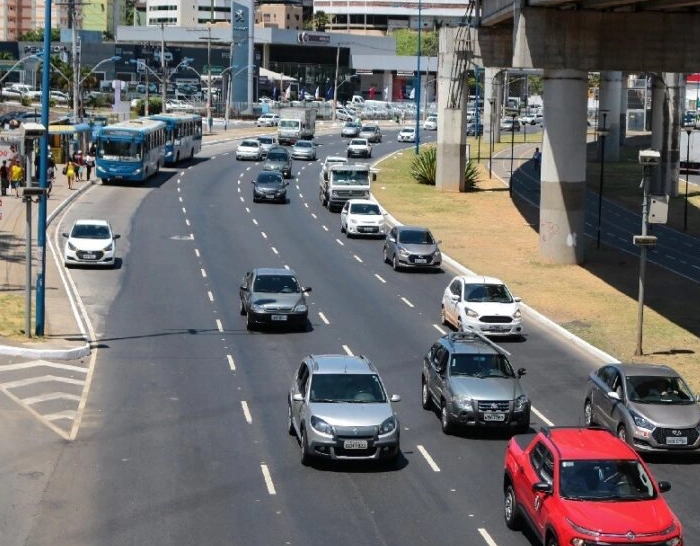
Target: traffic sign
215 70
644 240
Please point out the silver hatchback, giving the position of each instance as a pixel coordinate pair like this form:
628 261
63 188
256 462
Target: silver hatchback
339 410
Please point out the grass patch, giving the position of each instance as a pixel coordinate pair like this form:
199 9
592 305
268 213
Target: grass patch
12 317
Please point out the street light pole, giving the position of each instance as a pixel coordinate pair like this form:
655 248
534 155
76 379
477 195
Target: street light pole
209 120
335 86
417 87
492 100
687 181
512 153
164 82
602 133
76 71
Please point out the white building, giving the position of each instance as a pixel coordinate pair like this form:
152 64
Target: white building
180 13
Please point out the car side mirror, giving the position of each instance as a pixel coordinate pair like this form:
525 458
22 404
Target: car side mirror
614 395
306 289
664 486
391 239
517 299
244 288
543 487
521 372
64 235
697 398
116 236
397 398
298 397
438 242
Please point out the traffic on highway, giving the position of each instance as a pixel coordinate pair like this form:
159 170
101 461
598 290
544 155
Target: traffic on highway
230 403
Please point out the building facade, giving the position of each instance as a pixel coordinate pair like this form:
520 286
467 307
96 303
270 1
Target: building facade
289 16
180 13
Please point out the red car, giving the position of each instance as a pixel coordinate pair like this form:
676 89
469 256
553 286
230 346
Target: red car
585 487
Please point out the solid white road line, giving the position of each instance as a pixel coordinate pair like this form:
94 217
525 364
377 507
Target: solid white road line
428 458
246 412
487 538
323 317
347 350
268 479
231 363
439 329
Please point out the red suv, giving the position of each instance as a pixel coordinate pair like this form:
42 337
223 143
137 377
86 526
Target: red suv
585 487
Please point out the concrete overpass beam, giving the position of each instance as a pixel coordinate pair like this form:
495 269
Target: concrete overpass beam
666 109
563 174
610 91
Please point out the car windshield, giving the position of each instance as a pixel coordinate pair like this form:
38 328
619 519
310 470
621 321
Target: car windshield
416 237
250 143
481 365
605 481
496 293
358 142
275 284
350 177
277 156
343 387
658 390
90 231
269 177
265 140
304 144
364 208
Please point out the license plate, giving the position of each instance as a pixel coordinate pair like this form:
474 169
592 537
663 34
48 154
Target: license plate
89 256
355 444
497 328
421 261
676 441
494 417
279 317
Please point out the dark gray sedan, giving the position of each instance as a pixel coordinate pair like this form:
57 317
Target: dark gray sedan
270 186
650 407
412 246
278 159
273 297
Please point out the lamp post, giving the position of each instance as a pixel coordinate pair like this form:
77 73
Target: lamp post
164 81
417 87
602 133
229 98
512 153
688 132
492 100
9 71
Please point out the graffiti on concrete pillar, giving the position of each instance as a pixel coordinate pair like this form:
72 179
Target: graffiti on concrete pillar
548 230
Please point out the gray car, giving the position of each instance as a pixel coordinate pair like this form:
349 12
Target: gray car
471 383
270 186
371 132
350 129
412 246
273 297
278 159
650 407
338 409
304 149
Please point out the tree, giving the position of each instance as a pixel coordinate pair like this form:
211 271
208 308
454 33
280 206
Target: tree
407 42
318 22
37 35
130 7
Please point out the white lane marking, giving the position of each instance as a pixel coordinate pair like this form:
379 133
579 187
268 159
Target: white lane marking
696 267
180 197
286 266
247 209
219 326
357 258
184 210
313 215
323 317
274 250
255 221
187 222
380 279
439 329
347 350
324 228
268 479
192 236
211 296
246 412
196 252
239 189
487 538
428 458
541 416
306 205
301 195
242 200
204 273
341 243
263 234
407 302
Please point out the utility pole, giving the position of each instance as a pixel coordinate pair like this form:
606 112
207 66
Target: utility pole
335 87
74 59
209 120
164 83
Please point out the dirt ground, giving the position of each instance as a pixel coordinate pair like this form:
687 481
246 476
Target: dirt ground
491 234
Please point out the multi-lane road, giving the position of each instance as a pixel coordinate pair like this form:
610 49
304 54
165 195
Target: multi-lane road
183 436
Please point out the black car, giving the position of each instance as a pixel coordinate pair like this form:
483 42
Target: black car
270 186
472 129
278 159
273 296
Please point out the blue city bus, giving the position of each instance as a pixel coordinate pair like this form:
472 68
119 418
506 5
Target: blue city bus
183 136
131 151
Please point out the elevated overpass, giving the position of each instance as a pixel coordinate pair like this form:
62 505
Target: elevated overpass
566 39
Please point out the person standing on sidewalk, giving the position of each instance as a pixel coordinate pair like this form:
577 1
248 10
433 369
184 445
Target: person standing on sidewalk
69 171
89 164
537 159
16 176
4 177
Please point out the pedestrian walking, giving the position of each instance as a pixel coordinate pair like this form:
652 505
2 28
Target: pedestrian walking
89 164
4 177
69 171
50 177
16 177
537 159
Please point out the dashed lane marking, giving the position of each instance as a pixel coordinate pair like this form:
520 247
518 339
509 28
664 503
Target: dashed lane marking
268 479
428 458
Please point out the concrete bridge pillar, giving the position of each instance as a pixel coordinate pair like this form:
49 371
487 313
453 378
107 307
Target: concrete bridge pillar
665 134
623 110
563 171
610 91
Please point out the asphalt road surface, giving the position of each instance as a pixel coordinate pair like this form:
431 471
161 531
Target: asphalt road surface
183 439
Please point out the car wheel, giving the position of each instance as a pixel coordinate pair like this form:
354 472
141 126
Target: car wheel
386 256
249 322
426 402
588 419
552 541
342 228
511 513
443 316
445 422
395 263
622 433
305 455
242 308
292 431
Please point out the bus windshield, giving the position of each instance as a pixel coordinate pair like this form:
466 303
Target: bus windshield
120 150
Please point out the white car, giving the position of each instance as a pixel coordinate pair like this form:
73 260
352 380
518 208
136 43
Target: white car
430 124
90 242
407 134
359 147
268 120
59 97
267 142
483 304
362 217
249 149
331 160
176 105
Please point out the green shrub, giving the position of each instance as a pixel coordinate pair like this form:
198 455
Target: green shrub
26 101
424 169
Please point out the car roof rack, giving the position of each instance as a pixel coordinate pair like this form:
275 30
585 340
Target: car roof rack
471 335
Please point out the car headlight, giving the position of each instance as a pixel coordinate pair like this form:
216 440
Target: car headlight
108 248
582 530
436 255
463 401
469 312
389 425
517 314
365 193
640 421
72 247
320 425
521 403
137 171
403 252
300 308
352 221
257 308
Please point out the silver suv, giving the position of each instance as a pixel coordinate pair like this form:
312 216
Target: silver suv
338 409
471 382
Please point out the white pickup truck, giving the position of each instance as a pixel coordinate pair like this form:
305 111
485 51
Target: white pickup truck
345 181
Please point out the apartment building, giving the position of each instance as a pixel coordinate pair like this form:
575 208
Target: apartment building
280 15
179 13
18 17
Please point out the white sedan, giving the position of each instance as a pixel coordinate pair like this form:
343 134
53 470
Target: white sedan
362 217
407 134
430 124
483 304
250 149
268 120
359 147
90 242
